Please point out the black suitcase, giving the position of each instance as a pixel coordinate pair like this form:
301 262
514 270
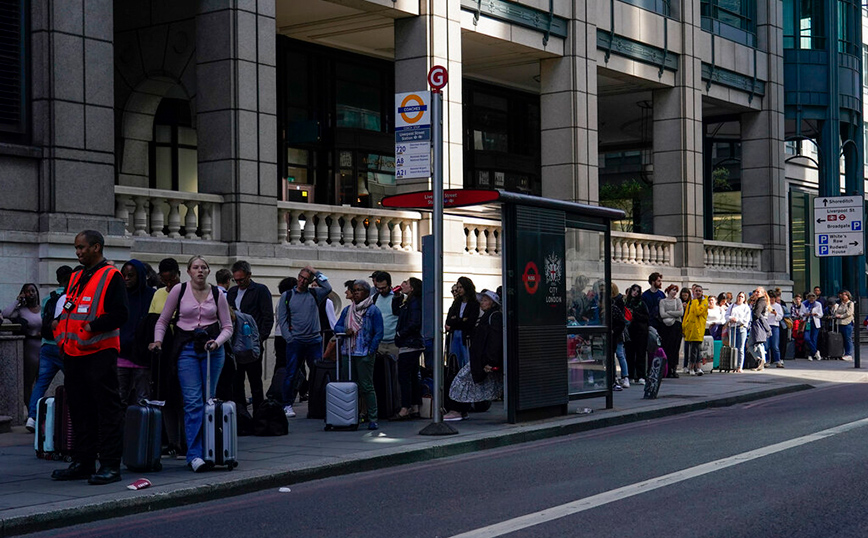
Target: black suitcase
324 372
729 354
64 437
386 385
143 428
830 344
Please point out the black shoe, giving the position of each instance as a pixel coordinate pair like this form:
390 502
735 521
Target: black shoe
674 375
76 471
106 475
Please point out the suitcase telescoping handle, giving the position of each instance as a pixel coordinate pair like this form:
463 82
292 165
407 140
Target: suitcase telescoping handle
207 374
338 338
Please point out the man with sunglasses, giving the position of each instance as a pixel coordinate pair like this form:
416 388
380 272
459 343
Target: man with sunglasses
299 323
255 299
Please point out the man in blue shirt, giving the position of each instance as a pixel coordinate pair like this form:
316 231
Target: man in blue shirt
298 319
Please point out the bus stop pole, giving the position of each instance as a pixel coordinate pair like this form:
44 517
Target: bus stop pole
438 427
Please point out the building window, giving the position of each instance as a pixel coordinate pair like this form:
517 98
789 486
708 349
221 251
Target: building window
731 19
849 17
14 76
865 143
174 155
501 139
663 7
803 24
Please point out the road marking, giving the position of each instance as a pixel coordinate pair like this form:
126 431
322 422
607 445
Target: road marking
568 509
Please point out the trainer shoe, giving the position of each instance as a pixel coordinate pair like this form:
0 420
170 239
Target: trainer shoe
692 372
641 381
625 383
699 372
845 358
617 387
373 426
453 416
685 370
31 425
288 411
198 465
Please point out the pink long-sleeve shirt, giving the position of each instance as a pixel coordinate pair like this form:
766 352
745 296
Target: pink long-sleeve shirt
193 314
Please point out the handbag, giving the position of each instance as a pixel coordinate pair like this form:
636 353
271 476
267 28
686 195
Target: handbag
789 323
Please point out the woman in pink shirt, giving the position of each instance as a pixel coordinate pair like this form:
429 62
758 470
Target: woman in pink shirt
203 323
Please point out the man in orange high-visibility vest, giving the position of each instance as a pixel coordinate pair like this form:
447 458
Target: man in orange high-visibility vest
88 336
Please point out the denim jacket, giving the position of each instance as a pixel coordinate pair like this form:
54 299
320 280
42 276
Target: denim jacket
368 339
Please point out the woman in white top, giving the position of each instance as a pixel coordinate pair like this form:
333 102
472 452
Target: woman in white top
671 311
775 315
738 318
812 313
716 317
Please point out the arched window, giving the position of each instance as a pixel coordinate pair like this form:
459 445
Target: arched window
174 160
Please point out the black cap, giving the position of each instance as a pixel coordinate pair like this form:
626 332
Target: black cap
63 273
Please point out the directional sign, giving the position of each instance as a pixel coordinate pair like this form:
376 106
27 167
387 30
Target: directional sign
838 222
451 198
412 135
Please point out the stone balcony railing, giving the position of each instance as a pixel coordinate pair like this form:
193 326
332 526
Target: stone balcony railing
483 237
643 249
317 225
158 213
723 255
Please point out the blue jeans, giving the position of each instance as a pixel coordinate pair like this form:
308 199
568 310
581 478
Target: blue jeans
622 359
774 344
49 364
192 374
811 340
298 351
740 339
847 333
459 348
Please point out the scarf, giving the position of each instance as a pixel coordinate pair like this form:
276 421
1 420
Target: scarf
356 314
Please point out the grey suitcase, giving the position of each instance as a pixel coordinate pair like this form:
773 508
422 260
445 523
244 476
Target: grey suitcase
220 439
342 397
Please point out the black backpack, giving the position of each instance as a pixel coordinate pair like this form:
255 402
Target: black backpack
48 315
269 420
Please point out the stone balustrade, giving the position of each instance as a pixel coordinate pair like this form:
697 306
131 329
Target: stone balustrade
170 214
643 249
316 225
483 237
732 256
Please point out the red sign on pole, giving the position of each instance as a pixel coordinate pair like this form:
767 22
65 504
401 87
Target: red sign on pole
451 198
437 77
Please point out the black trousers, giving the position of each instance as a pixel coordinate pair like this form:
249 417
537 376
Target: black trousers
408 379
637 353
671 337
253 371
95 407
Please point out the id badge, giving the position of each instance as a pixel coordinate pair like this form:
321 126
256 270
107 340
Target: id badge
83 309
68 306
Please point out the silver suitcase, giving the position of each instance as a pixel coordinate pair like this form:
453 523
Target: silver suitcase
220 439
342 397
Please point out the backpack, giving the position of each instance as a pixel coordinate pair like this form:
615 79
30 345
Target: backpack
245 340
269 420
48 315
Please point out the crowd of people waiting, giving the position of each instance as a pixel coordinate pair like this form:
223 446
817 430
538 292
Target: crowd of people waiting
133 334
758 324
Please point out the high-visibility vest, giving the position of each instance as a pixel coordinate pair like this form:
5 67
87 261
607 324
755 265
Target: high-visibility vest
88 303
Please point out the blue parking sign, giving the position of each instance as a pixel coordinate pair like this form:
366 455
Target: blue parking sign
824 250
824 240
856 225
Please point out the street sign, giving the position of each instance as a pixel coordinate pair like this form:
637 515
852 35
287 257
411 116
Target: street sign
438 77
412 135
451 198
838 226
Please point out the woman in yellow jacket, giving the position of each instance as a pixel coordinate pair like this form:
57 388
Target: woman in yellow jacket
693 326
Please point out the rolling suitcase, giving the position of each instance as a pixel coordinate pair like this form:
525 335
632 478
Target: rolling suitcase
43 441
728 354
658 370
220 438
831 343
342 397
64 438
143 429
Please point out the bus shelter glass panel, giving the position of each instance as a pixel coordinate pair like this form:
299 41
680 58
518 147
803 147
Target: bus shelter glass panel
587 303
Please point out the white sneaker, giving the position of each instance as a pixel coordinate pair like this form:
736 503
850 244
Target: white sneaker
617 387
625 383
817 356
288 411
810 358
685 370
692 372
31 425
641 381
197 464
845 357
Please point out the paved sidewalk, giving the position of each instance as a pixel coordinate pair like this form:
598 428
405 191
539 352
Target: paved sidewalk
30 500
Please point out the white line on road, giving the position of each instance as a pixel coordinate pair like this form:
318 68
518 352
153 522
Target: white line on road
568 509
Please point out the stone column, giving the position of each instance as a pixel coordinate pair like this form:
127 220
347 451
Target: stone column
73 114
765 211
434 38
677 146
236 114
568 103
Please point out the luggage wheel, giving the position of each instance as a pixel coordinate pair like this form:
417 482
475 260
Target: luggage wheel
328 427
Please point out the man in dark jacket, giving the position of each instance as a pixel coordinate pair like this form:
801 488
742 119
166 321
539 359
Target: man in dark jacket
255 299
